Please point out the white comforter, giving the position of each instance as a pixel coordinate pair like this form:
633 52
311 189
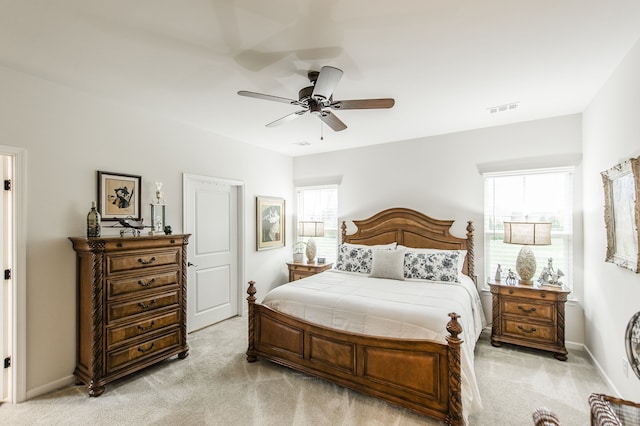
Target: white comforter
412 309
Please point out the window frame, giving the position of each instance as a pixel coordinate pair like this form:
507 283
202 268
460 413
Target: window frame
567 234
330 226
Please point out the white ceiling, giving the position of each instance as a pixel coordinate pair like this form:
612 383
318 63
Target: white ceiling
445 62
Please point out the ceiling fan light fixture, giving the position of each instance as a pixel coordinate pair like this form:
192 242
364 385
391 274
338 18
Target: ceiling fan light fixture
315 108
318 98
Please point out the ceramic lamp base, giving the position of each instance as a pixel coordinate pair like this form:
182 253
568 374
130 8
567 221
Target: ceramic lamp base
311 250
526 265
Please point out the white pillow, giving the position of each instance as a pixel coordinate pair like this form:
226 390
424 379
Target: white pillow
388 263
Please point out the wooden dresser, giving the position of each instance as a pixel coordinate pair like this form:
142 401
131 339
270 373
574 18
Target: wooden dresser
132 305
531 316
302 270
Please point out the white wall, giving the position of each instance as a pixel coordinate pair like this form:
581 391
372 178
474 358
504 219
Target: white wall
70 135
440 176
611 128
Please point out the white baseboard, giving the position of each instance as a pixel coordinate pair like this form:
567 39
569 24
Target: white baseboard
575 346
602 374
50 387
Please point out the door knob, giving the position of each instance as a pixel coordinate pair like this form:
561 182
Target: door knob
191 264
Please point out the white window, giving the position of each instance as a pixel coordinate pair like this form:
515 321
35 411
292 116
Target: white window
320 203
533 195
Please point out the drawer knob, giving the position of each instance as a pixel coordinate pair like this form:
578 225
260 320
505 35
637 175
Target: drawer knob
510 291
525 310
142 328
532 330
146 284
141 349
145 306
147 262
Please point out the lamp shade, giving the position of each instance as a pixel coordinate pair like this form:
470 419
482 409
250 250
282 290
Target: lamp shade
528 233
311 229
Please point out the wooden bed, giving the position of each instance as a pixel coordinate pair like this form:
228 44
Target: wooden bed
421 375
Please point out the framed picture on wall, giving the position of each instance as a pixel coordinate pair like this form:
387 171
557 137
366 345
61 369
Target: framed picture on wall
119 196
622 213
270 222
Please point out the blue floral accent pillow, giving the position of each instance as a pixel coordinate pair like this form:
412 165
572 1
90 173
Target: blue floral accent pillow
354 259
432 266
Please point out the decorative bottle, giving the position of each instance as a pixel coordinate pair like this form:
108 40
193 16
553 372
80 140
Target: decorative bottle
93 221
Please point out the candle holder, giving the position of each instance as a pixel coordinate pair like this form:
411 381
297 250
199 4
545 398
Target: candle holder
158 212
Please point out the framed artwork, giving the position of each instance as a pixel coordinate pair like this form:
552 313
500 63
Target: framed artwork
119 196
622 213
270 222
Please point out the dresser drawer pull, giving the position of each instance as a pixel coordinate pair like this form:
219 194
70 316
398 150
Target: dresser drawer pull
146 262
146 284
525 310
141 328
143 306
141 349
532 330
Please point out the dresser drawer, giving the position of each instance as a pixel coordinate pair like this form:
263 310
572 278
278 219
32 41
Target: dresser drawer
132 261
118 335
121 358
528 309
529 331
121 287
142 305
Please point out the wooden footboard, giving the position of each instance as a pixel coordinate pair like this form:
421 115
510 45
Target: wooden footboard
421 375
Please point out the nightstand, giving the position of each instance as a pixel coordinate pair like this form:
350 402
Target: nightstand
302 270
531 316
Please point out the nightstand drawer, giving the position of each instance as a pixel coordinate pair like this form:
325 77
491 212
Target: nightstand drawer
542 333
295 276
527 309
298 271
532 293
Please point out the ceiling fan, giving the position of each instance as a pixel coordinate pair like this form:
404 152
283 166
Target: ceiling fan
318 99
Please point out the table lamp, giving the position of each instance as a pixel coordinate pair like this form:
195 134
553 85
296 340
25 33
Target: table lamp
311 229
527 234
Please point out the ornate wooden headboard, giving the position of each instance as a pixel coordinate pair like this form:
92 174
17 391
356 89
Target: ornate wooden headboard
412 229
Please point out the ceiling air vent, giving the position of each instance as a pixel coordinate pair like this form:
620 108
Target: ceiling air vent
503 107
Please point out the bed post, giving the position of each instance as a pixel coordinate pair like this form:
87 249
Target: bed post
343 228
470 255
455 396
251 291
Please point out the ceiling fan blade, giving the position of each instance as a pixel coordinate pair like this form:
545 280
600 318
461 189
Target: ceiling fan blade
327 81
364 103
332 121
286 118
267 97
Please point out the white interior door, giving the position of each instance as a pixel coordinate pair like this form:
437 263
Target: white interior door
4 293
211 217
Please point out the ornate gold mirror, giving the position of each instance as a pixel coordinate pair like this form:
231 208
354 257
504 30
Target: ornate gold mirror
622 213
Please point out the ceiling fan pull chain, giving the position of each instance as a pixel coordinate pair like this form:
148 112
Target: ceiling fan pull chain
321 135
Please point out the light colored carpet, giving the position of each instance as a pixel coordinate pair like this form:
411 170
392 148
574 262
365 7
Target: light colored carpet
215 385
